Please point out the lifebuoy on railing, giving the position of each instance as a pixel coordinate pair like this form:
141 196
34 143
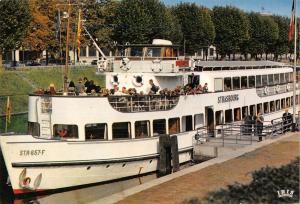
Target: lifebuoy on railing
102 65
156 66
114 79
125 64
138 80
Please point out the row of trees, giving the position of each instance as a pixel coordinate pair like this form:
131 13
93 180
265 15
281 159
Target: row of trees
33 24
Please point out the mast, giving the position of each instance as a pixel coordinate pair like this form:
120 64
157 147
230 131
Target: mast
295 66
66 69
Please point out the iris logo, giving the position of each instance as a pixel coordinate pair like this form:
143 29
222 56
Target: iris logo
285 193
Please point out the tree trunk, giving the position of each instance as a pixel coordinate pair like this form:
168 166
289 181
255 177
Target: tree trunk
1 63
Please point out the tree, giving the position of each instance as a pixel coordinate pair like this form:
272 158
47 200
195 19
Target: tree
270 34
281 44
99 17
196 25
39 32
231 27
139 21
14 20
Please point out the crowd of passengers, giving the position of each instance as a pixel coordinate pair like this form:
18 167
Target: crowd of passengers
87 87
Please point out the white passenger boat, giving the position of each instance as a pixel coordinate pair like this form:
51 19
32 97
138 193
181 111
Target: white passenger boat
77 140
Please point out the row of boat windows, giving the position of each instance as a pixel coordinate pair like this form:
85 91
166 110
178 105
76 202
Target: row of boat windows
142 129
243 82
238 114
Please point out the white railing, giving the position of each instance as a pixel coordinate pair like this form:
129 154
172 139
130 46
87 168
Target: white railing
131 104
276 89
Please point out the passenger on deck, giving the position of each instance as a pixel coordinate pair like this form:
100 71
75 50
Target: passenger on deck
79 86
153 89
52 90
124 90
117 92
82 92
91 87
86 82
71 87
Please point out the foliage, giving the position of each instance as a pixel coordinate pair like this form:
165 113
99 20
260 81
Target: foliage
139 21
281 44
14 20
196 25
232 29
263 188
39 31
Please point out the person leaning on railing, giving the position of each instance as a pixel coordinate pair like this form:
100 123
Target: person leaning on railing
259 125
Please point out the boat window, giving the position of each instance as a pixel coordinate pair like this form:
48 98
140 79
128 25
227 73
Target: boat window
264 80
187 123
282 79
259 108
266 107
276 79
219 118
96 131
236 83
244 83
271 79
227 84
65 131
121 130
228 116
142 129
288 102
153 52
258 81
159 127
198 121
287 77
168 52
218 84
245 111
272 106
251 80
277 105
291 77
292 101
283 103
237 114
252 110
174 125
33 129
136 52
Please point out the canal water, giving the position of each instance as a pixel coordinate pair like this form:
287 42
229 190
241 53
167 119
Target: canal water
86 195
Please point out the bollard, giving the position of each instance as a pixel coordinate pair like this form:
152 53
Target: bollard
164 166
175 155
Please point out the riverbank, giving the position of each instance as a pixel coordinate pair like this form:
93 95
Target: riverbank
199 180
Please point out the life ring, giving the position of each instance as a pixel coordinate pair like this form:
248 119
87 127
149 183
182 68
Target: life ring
138 80
266 90
125 64
102 65
156 66
277 89
114 79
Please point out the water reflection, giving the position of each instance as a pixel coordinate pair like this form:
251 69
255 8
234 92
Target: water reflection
84 195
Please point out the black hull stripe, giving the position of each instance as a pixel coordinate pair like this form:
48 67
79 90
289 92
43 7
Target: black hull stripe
89 162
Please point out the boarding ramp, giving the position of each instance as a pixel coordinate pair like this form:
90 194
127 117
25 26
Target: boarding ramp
209 143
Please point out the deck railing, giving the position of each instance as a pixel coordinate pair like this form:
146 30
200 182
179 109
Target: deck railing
275 89
130 104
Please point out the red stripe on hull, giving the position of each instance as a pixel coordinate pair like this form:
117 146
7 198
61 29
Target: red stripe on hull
22 191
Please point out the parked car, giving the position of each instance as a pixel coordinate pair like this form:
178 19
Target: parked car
33 63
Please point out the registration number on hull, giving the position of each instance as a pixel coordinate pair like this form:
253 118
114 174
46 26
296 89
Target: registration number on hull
34 152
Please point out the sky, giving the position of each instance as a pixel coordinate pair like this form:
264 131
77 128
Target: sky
278 7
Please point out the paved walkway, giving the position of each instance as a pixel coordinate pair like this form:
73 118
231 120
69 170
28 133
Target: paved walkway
200 179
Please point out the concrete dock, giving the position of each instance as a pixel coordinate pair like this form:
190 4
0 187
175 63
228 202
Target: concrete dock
233 165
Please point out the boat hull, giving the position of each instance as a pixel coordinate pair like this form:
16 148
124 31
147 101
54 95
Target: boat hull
37 165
